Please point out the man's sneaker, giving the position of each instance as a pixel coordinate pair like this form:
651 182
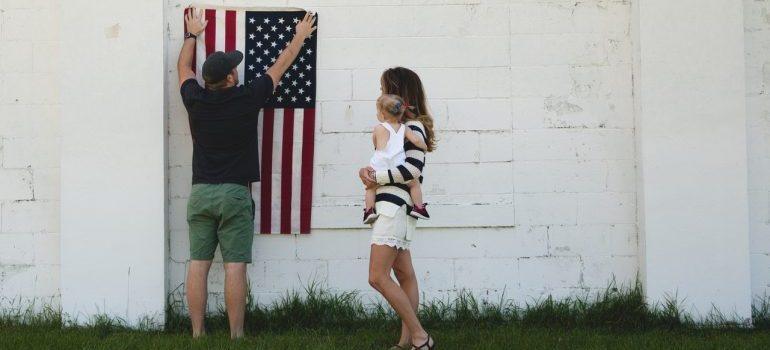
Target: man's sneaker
420 213
370 216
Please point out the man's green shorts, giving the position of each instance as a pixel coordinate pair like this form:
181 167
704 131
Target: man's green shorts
221 214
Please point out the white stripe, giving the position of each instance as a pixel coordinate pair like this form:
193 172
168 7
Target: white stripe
296 169
256 188
219 44
240 41
275 220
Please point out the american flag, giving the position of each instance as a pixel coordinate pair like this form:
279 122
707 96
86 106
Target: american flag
287 122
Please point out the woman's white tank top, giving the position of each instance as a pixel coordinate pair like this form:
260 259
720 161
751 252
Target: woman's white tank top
393 155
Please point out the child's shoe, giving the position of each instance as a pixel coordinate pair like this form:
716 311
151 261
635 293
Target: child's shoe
370 216
420 213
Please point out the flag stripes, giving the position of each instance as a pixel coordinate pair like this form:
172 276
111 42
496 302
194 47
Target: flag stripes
283 197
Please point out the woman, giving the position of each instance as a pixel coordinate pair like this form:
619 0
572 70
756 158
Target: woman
392 232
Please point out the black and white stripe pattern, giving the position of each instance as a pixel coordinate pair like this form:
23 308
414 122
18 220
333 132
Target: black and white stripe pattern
393 192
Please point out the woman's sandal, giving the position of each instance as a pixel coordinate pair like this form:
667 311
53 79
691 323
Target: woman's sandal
427 345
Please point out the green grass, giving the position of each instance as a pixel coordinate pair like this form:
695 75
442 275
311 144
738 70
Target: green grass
617 318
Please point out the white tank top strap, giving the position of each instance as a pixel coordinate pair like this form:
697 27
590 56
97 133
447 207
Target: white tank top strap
387 126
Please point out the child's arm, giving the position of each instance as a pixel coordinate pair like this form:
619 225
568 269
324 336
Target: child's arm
380 137
414 139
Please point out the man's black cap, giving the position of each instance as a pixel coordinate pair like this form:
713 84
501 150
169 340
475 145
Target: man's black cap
219 64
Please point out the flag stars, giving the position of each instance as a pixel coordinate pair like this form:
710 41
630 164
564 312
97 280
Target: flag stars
259 28
272 60
293 99
259 59
266 52
280 36
251 67
273 28
309 51
252 36
301 75
295 20
293 83
307 98
281 20
302 59
301 91
267 20
259 75
273 44
287 91
267 36
308 83
279 99
252 20
308 67
288 28
251 52
259 44
264 67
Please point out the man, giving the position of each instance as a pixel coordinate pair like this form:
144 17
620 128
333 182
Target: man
223 123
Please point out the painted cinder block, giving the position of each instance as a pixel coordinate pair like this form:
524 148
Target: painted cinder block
17 249
559 176
15 184
545 208
550 272
515 242
606 207
30 216
592 240
499 273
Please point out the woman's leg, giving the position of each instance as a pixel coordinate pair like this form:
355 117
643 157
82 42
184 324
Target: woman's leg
415 191
407 279
381 261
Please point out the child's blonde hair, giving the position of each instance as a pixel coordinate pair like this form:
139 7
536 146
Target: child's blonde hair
395 106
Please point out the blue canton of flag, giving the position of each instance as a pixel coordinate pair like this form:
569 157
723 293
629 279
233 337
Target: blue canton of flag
267 35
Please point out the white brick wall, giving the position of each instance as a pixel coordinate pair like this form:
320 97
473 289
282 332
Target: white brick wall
533 103
533 106
29 151
757 31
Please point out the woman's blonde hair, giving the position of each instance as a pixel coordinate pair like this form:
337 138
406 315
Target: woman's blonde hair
406 83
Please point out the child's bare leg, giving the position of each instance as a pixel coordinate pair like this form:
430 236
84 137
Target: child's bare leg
369 198
415 191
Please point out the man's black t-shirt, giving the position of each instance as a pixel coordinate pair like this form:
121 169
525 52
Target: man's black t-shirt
223 124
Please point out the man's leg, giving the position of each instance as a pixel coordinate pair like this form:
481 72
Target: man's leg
203 243
197 292
235 296
236 234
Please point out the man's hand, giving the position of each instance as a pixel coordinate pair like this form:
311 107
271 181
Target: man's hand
367 177
195 22
305 26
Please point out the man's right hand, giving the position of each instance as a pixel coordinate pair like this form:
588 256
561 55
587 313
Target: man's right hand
305 26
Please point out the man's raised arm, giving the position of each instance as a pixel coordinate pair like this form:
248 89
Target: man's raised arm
305 27
195 26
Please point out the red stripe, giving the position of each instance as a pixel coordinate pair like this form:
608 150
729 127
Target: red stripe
286 174
266 179
186 11
306 194
211 31
229 30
